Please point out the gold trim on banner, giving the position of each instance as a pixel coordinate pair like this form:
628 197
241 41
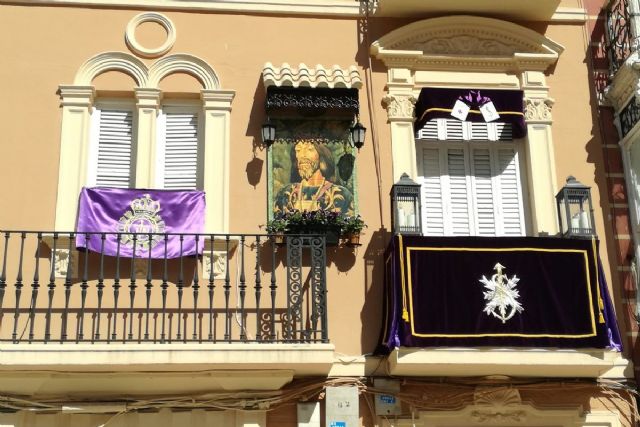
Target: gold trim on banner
579 251
405 313
448 110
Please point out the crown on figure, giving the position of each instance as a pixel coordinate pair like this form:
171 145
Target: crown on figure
145 206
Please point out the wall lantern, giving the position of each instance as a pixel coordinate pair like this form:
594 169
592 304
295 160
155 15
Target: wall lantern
357 134
575 212
406 215
268 133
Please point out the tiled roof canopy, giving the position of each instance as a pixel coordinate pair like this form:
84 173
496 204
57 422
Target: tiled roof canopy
306 77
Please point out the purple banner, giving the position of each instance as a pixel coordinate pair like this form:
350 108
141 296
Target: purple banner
122 212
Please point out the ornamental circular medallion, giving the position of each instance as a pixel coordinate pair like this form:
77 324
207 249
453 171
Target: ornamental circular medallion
143 220
163 21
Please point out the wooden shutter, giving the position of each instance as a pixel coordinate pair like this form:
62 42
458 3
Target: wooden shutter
112 148
472 187
178 150
509 197
433 218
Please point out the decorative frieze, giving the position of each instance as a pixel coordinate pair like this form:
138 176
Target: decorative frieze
538 110
400 106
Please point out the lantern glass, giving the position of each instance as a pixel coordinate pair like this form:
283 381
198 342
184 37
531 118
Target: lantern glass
357 135
406 209
575 211
268 133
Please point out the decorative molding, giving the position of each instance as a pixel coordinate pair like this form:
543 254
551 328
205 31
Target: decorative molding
400 106
625 83
62 261
112 61
538 110
217 260
496 396
498 417
318 99
318 77
158 18
184 63
453 43
288 7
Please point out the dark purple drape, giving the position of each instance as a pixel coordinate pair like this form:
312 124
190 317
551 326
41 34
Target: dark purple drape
130 211
437 103
435 297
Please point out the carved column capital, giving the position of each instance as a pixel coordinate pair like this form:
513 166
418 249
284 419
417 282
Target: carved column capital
538 109
400 107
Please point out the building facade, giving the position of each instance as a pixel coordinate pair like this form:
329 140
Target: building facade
139 112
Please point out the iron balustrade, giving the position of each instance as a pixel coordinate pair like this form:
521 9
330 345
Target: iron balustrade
242 288
629 116
619 35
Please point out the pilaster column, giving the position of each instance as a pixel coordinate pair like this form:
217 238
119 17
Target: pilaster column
76 103
400 108
148 105
216 106
541 170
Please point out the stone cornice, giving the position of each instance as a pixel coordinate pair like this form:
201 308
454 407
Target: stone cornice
318 77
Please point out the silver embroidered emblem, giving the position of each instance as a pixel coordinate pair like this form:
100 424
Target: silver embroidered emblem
501 295
142 218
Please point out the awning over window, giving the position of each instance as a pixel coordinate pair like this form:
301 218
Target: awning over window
469 103
478 291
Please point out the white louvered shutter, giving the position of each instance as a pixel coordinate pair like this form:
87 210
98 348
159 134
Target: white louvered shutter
509 193
433 219
471 187
457 193
178 154
483 192
112 148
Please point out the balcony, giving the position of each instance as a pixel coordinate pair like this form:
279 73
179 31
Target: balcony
619 36
517 306
247 309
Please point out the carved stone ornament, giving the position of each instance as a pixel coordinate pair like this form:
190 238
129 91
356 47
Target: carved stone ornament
218 264
400 106
492 416
497 405
63 261
465 45
538 109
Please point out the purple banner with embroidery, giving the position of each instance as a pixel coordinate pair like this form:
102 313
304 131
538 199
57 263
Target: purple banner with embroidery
135 221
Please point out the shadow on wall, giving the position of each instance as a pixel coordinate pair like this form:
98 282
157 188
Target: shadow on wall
372 309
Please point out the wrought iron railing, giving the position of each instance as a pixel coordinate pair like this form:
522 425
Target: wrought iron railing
619 35
240 288
629 116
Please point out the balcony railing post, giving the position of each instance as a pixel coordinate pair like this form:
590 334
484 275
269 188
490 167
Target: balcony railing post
100 287
52 288
3 273
18 287
196 288
258 288
211 287
67 292
227 292
148 287
35 286
243 287
83 291
116 290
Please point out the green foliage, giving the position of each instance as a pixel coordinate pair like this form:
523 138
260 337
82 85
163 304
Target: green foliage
318 221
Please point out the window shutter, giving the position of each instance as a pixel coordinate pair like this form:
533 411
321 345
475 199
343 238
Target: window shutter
432 204
113 131
509 197
457 193
483 192
178 151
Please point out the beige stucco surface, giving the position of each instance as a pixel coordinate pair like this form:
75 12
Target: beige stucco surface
236 47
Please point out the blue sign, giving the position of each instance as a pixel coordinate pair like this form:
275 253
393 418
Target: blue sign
386 398
338 424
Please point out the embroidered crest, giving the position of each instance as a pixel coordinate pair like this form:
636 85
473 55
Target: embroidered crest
142 218
501 295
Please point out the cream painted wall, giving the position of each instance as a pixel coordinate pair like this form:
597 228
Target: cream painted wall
237 46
